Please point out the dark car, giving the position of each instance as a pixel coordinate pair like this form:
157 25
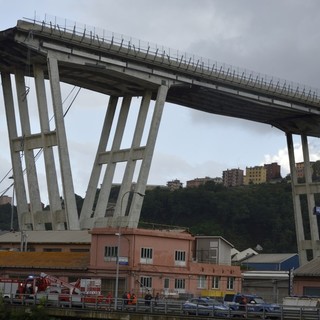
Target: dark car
205 306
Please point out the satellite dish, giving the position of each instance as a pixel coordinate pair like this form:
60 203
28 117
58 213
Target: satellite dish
258 247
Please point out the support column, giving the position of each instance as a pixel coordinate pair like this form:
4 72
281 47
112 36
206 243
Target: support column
31 171
131 155
65 167
126 184
314 232
134 214
296 191
57 217
22 204
111 166
86 218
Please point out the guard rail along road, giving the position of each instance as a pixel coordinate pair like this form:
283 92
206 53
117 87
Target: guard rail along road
165 309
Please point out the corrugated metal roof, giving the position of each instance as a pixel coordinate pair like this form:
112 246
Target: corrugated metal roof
270 257
244 255
65 236
265 274
54 260
311 268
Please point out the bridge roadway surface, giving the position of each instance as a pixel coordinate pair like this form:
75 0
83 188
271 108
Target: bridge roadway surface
120 67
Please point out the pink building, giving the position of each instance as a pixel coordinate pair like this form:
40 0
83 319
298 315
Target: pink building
171 262
306 279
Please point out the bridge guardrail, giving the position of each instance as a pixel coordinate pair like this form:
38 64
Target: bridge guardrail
99 37
173 307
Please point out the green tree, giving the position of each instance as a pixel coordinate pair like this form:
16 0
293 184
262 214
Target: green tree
245 215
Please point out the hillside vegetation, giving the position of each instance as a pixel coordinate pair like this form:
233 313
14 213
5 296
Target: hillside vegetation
245 216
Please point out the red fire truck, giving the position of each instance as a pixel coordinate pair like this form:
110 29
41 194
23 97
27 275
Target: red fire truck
9 286
53 289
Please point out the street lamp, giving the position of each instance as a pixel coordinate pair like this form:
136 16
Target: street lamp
117 273
118 234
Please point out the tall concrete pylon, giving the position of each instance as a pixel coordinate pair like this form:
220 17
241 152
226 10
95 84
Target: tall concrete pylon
307 248
91 216
65 216
63 211
31 216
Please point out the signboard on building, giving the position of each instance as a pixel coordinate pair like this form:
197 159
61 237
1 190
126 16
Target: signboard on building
90 286
123 261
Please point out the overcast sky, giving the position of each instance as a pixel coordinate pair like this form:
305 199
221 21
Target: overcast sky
279 38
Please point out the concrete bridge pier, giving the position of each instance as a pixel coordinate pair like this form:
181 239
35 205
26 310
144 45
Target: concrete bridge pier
49 139
121 215
16 147
31 215
71 214
307 248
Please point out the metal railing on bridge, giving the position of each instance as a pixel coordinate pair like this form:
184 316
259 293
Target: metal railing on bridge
164 306
178 59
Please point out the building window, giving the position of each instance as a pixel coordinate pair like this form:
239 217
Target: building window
110 253
230 283
146 255
202 282
311 291
166 283
166 286
213 255
79 250
180 258
180 285
52 250
145 283
215 282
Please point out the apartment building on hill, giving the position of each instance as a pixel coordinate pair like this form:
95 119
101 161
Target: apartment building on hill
232 177
255 175
197 182
5 200
300 169
272 171
174 185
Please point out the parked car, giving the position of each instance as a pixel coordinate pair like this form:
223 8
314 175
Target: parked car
252 304
205 306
